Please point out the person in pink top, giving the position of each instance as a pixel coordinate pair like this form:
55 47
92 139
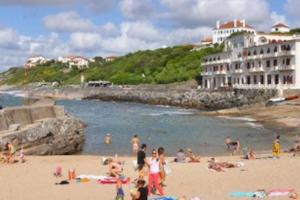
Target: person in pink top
154 176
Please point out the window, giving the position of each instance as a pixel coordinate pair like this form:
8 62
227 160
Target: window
288 48
227 67
248 65
248 80
274 63
277 79
275 49
268 63
268 50
288 62
269 79
254 53
254 79
261 51
249 53
262 79
259 63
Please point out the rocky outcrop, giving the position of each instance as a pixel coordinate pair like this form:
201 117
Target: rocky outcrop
41 130
187 98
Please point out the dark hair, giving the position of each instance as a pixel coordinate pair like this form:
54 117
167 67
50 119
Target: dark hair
135 136
278 137
141 182
160 150
143 146
181 150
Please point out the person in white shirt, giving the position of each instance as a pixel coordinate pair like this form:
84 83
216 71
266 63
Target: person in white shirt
154 176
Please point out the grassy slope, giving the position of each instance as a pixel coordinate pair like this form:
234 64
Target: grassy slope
159 66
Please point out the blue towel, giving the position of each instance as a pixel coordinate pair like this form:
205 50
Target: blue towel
163 198
242 194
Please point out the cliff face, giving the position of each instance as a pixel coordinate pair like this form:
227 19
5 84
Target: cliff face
41 130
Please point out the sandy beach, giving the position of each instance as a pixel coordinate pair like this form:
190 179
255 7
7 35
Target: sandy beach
34 179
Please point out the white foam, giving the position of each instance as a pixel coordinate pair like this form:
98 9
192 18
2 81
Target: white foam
171 113
248 119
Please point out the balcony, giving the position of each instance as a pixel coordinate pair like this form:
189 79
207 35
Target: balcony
223 72
256 69
284 68
222 61
206 73
237 71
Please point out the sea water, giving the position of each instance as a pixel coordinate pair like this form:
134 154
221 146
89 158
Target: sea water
159 126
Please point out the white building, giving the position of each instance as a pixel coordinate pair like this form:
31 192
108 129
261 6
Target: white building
280 28
110 58
76 61
254 61
223 31
34 61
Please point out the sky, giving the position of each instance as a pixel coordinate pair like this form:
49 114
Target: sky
53 28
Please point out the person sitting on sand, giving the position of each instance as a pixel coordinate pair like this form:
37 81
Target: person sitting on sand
180 156
250 155
114 167
107 139
192 156
142 191
135 142
22 155
11 153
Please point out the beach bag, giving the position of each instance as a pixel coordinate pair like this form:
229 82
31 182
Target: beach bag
167 170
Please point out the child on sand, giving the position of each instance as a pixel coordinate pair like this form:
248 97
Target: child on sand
22 155
154 176
120 192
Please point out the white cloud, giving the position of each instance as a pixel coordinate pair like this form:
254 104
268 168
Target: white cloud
133 9
67 22
195 13
85 41
276 18
8 38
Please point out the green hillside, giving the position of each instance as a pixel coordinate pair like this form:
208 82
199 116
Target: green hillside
161 66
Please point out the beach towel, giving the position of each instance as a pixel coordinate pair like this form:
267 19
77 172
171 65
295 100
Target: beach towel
279 192
91 177
258 194
113 180
162 198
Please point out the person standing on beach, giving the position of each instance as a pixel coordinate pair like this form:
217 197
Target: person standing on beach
141 160
276 147
135 142
154 176
228 142
162 162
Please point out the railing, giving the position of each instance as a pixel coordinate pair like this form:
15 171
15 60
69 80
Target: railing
263 86
256 69
284 68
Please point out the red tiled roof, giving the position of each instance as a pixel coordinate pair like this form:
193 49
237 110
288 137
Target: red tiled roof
230 24
279 25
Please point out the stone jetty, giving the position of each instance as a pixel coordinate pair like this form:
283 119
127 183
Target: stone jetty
41 129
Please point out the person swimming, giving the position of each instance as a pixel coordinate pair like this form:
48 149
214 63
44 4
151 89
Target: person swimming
135 142
107 139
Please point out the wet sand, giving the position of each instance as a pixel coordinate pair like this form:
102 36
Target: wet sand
34 180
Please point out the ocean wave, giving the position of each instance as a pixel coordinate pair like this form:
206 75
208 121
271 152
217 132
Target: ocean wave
248 119
170 113
255 125
17 93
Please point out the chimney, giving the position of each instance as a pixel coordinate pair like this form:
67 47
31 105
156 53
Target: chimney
244 23
235 23
218 24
